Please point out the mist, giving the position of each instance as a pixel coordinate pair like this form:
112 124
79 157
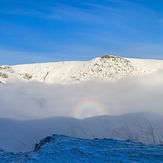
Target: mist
33 100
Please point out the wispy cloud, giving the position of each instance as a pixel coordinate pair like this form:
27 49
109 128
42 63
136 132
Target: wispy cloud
113 26
67 12
17 57
119 1
140 50
55 11
103 7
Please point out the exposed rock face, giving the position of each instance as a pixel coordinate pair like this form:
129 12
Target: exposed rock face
7 73
106 68
26 76
42 142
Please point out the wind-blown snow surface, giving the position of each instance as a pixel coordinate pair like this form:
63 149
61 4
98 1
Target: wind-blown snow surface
67 149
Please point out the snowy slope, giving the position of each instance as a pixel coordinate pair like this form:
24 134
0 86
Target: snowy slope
102 68
58 148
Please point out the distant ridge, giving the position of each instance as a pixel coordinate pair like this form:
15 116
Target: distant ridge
107 67
21 136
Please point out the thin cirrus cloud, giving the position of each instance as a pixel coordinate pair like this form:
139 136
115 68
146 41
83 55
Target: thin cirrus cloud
104 26
14 57
37 101
55 11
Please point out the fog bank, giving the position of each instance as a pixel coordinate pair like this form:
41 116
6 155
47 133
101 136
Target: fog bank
32 100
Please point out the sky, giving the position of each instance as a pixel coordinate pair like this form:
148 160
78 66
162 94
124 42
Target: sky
41 31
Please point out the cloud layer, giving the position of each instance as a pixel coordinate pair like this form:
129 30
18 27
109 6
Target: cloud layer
36 100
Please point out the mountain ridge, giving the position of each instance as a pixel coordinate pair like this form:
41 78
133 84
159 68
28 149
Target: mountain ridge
105 68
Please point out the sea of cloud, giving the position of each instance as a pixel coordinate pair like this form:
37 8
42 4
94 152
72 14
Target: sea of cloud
33 100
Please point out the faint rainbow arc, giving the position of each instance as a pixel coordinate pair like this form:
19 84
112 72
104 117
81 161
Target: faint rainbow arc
89 108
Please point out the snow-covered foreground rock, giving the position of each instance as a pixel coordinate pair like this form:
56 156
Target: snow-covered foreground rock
20 136
58 148
102 68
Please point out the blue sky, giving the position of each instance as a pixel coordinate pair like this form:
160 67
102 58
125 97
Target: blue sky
40 31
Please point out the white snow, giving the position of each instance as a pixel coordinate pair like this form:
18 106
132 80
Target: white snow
111 68
57 96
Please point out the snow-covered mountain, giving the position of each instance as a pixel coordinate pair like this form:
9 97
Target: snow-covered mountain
30 111
103 68
59 148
